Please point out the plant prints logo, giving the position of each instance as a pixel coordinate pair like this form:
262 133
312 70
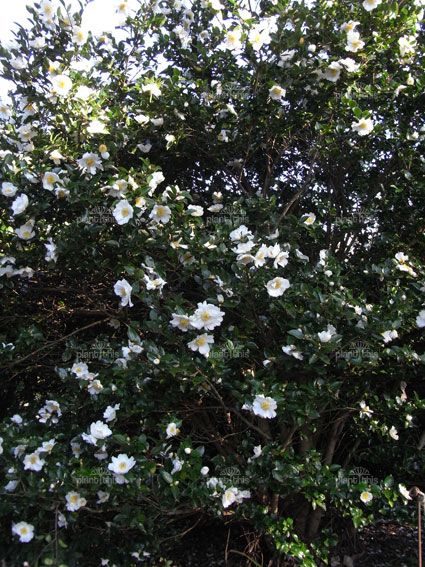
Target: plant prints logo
359 216
359 475
232 215
232 476
97 215
100 350
231 350
95 476
356 350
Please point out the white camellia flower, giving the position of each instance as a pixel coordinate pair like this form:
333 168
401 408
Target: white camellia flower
49 180
182 322
261 256
350 65
333 72
366 497
90 163
354 43
277 93
51 254
195 211
80 369
407 45
37 43
202 343
326 336
258 37
160 213
47 446
1 445
363 127
25 231
32 462
389 336
110 413
277 286
172 430
420 319
207 316
264 406
257 452
123 289
122 464
123 212
349 26
74 501
370 5
62 84
24 531
393 433
240 232
204 471
292 351
20 204
233 39
8 189
100 430
229 496
308 218
151 88
404 492
79 36
365 410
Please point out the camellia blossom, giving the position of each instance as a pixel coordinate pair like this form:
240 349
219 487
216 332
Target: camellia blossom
354 43
181 322
233 40
99 430
123 212
79 36
172 430
309 219
160 213
202 343
363 127
20 204
110 413
370 5
62 84
365 410
49 180
326 336
420 319
264 406
277 286
277 93
25 231
333 72
32 462
122 464
74 501
123 289
8 189
24 531
90 163
151 88
366 497
292 351
207 316
389 336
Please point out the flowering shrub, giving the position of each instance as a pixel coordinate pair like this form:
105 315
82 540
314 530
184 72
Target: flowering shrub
212 275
